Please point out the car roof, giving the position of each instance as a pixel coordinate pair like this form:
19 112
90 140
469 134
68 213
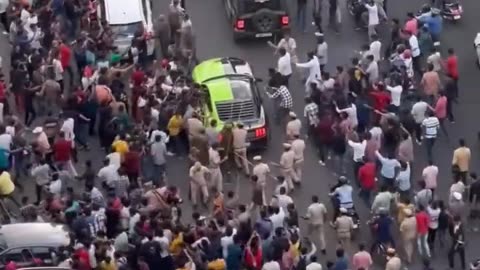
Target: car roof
218 67
123 11
33 234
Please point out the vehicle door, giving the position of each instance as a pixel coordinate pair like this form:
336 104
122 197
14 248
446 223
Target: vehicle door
21 256
47 255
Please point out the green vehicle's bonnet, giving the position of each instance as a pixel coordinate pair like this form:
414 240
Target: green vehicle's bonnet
220 89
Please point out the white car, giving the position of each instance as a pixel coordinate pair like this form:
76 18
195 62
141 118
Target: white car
125 18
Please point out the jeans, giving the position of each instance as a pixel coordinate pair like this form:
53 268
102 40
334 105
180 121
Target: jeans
429 143
301 18
450 110
281 115
338 164
423 245
81 134
364 194
460 249
158 174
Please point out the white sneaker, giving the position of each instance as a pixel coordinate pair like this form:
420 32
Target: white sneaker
170 154
321 163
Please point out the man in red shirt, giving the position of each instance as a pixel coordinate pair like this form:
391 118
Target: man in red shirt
451 66
423 221
381 99
65 55
366 179
138 76
62 153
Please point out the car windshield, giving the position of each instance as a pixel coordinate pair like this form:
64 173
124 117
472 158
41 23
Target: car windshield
125 30
255 5
241 89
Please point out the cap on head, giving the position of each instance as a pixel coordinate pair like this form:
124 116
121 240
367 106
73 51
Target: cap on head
257 158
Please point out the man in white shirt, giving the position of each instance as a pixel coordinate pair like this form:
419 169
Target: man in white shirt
415 48
322 50
376 48
5 139
372 70
271 265
373 19
227 240
284 65
358 154
435 58
278 218
314 265
314 73
108 173
430 126
395 90
418 113
283 199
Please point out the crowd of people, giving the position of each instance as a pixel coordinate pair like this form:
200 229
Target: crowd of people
70 83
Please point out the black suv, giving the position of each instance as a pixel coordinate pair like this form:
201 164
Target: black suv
257 18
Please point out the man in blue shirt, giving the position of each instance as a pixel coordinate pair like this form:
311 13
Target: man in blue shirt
342 262
234 257
434 24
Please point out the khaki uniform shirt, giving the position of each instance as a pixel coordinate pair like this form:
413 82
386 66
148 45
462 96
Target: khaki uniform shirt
287 160
198 176
294 127
194 126
394 264
316 213
239 138
214 158
261 170
344 226
298 146
408 228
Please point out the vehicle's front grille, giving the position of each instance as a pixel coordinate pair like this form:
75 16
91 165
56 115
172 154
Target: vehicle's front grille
236 110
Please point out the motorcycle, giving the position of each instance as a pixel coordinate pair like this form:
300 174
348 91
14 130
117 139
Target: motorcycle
452 11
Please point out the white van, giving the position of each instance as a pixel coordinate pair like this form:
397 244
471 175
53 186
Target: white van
125 18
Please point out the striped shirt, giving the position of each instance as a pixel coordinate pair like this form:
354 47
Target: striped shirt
430 125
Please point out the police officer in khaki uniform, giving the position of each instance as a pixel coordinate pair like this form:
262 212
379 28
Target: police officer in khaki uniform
194 126
408 231
287 161
240 147
261 170
294 126
216 177
298 147
198 183
344 227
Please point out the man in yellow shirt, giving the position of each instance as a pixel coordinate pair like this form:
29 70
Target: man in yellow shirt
7 187
121 145
175 125
461 158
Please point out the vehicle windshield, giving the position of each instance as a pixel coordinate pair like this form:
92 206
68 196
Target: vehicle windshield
241 89
255 5
125 30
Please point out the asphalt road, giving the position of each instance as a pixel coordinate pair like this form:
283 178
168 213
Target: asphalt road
214 39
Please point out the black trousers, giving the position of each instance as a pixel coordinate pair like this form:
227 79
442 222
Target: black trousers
451 253
317 20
